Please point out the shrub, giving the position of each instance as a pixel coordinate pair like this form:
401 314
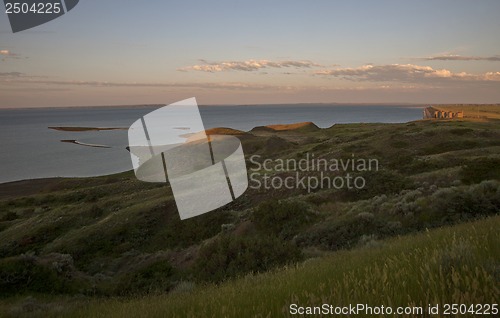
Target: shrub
230 256
450 205
481 169
24 273
460 131
94 212
158 276
283 218
379 183
450 145
9 216
170 231
400 144
345 233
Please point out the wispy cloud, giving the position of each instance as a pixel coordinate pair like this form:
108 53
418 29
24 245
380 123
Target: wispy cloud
248 66
20 79
452 57
11 74
6 54
405 73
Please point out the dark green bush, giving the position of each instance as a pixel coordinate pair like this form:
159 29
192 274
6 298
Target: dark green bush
345 233
47 199
154 229
460 131
153 277
378 182
416 165
94 212
481 169
452 205
9 216
283 218
449 145
170 231
400 144
230 256
21 274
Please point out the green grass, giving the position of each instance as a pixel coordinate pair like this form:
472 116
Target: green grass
122 237
459 264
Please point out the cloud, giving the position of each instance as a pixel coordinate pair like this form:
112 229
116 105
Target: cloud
406 73
11 74
27 80
495 58
6 54
369 77
248 66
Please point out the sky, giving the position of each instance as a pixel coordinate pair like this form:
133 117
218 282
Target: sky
124 52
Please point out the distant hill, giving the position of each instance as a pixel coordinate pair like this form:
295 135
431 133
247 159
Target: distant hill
225 131
303 126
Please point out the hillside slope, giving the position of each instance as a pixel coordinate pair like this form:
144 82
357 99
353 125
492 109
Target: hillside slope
117 236
458 264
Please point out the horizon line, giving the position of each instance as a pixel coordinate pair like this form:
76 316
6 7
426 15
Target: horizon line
250 105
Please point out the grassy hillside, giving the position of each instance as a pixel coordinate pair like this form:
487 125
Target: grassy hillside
458 264
461 266
65 240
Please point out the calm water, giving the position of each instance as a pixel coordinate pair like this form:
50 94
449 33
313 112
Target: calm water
31 150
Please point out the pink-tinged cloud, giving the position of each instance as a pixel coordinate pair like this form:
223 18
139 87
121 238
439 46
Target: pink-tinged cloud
6 54
495 58
406 73
248 66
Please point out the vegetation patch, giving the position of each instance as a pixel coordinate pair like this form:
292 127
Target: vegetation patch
230 256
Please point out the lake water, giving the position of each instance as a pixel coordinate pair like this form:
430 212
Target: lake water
30 150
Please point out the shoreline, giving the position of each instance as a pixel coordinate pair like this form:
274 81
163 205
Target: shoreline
76 142
279 128
211 131
80 128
